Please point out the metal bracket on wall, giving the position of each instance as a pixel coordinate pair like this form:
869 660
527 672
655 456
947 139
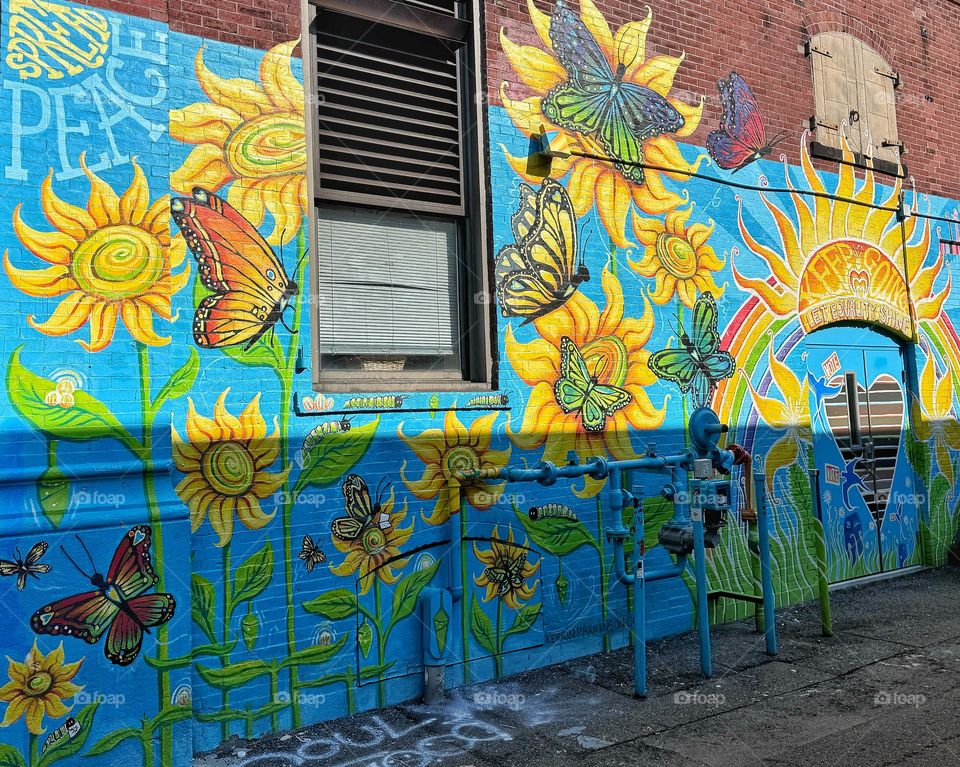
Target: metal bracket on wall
809 47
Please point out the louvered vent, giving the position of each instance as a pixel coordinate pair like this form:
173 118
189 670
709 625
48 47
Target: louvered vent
389 113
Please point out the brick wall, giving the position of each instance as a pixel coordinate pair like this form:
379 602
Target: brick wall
760 39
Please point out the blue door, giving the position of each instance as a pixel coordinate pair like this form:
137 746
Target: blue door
869 502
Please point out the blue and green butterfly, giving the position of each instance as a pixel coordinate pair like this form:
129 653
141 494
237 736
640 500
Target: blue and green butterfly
698 364
596 101
579 391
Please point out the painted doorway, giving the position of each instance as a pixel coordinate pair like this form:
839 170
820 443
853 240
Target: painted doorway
869 500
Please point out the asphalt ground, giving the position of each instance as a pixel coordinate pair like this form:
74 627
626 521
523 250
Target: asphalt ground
884 690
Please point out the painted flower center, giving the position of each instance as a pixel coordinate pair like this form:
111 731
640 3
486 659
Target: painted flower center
229 468
607 360
374 541
461 458
118 262
38 684
677 255
269 145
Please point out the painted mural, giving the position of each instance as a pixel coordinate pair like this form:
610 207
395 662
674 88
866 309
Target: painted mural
195 544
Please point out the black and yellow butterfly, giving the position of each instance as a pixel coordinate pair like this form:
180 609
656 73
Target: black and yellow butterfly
538 272
509 577
578 391
23 567
311 554
362 514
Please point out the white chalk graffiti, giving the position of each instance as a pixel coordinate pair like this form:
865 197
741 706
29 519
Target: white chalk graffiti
377 743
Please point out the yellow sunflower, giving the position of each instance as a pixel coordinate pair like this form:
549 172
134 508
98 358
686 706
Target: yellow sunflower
253 134
507 570
377 549
112 260
934 419
591 181
225 461
678 256
612 347
791 415
39 686
455 449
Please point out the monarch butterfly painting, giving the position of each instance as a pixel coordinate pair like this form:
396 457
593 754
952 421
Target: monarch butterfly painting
539 271
310 554
251 289
118 606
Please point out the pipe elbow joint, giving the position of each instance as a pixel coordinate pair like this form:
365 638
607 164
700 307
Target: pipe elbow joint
600 468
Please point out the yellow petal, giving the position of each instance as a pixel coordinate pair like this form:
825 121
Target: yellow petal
103 321
541 23
136 200
243 96
283 89
786 381
103 205
613 197
52 281
53 247
138 320
534 68
70 315
203 123
204 167
67 218
630 45
657 73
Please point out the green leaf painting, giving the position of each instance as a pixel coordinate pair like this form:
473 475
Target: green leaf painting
333 605
252 577
556 535
334 455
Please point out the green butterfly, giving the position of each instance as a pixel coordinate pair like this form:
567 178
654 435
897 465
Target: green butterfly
698 364
578 391
597 102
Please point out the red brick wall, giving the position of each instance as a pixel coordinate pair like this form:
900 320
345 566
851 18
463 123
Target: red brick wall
255 23
760 39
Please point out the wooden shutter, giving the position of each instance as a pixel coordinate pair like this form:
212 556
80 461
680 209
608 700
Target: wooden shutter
880 104
835 88
390 124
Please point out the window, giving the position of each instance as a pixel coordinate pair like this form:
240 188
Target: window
853 85
398 195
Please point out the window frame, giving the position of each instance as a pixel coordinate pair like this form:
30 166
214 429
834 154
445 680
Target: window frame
476 319
887 160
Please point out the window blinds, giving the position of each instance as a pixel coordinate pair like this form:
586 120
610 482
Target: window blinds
387 283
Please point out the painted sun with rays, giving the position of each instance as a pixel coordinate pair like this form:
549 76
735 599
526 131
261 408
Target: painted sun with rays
844 257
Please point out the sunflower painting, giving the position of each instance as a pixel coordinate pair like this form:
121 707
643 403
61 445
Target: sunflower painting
113 260
225 460
642 130
251 136
39 686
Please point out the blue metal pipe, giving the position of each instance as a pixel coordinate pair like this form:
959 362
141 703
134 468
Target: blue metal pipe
700 571
766 571
639 605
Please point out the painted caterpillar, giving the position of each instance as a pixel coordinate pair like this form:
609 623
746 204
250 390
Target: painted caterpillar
489 400
387 401
553 511
325 430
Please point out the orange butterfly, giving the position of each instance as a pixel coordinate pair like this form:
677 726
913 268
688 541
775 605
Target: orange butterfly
251 289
